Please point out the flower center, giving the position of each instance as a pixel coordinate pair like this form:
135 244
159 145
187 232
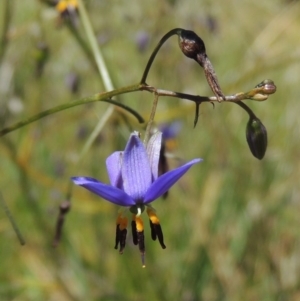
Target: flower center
137 209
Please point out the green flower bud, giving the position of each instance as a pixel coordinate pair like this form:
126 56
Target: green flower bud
257 137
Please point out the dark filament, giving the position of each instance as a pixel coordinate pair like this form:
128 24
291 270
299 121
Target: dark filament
156 231
153 232
122 240
134 232
118 236
141 241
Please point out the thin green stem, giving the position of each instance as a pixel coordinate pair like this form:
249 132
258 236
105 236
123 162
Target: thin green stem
105 97
155 51
94 46
100 62
246 108
11 219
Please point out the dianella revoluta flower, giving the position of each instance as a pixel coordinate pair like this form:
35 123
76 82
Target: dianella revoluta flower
135 184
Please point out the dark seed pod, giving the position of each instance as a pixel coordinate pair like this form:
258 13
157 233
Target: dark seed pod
257 137
193 47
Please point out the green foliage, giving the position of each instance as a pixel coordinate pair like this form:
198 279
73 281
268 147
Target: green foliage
231 226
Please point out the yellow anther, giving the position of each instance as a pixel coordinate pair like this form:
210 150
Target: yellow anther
171 144
119 219
123 223
152 216
139 224
63 5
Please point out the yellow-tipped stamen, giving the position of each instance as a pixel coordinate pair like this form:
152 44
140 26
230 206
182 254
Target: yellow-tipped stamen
123 223
156 230
119 219
133 230
140 237
142 246
61 6
139 224
122 240
153 232
152 215
121 232
117 231
65 6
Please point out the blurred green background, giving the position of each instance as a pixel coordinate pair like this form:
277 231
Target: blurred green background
231 224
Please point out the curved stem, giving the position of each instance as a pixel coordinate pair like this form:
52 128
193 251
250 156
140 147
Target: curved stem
105 97
11 219
155 51
246 108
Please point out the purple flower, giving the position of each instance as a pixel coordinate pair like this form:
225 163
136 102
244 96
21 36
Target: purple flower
170 130
135 184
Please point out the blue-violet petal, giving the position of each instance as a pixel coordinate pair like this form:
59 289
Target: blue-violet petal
136 172
166 181
107 192
113 166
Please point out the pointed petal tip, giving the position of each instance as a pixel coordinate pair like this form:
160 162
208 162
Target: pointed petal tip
197 160
167 180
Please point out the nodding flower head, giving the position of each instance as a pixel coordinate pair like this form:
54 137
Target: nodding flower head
135 184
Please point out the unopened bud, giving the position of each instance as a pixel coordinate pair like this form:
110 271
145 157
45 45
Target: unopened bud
257 137
267 86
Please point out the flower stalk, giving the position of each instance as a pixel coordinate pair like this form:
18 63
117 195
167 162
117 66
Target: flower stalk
12 220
